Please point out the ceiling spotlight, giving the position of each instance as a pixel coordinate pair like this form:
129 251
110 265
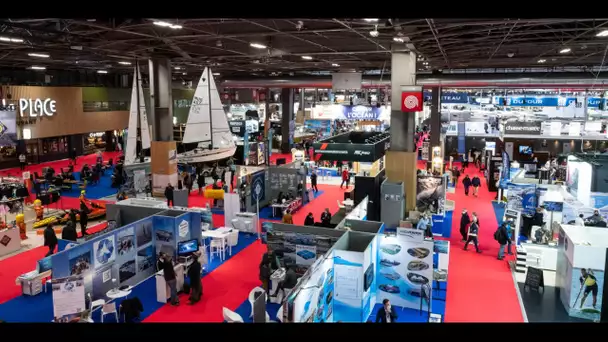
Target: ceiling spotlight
40 55
102 71
510 54
602 34
566 50
257 46
216 74
542 60
166 24
124 63
425 63
335 64
398 39
177 68
218 43
306 57
11 40
34 67
375 32
299 25
371 20
184 73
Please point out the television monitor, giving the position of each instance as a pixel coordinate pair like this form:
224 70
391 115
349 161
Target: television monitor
525 149
187 247
44 265
554 206
369 277
530 167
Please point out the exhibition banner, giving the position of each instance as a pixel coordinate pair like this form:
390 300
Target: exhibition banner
370 287
449 98
361 112
587 292
68 297
430 194
405 271
545 101
505 174
314 294
523 127
441 260
345 152
348 288
522 197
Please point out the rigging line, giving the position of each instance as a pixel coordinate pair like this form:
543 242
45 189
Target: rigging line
601 65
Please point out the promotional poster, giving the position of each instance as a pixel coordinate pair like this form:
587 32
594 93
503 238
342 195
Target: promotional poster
348 272
430 194
579 179
314 299
441 259
405 271
522 197
586 293
68 297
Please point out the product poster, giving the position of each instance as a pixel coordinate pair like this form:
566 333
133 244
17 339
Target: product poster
441 259
104 251
430 194
522 197
314 300
125 241
405 271
348 286
305 255
68 296
586 294
143 231
80 264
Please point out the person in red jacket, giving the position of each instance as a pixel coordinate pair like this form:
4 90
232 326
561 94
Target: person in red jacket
345 177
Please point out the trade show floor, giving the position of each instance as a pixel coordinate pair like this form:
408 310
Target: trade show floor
58 164
266 212
94 191
481 288
544 305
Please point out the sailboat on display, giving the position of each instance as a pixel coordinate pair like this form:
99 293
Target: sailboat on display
207 125
137 116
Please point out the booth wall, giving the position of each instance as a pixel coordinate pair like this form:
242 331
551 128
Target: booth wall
370 187
130 213
370 260
314 301
348 272
451 144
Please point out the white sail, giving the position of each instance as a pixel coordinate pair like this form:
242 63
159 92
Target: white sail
220 130
143 115
198 125
131 146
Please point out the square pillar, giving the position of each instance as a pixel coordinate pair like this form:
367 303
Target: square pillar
161 102
288 124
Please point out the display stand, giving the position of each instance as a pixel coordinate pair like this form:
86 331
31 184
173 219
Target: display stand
180 198
162 290
10 241
245 223
232 206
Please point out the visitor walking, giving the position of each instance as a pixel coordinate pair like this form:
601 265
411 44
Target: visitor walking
50 239
465 220
313 181
22 161
476 182
345 177
502 236
472 236
467 184
169 195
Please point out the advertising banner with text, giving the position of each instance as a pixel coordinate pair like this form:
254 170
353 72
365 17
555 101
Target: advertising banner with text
523 127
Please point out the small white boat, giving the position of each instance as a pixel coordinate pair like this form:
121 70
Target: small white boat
207 125
137 116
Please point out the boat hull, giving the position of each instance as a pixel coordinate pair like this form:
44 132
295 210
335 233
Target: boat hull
205 156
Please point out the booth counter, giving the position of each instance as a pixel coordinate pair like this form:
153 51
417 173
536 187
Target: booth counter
580 274
162 289
10 241
538 256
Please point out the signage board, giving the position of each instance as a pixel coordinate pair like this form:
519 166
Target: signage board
523 127
454 98
361 112
411 101
37 107
411 234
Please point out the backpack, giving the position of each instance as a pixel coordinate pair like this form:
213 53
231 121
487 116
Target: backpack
497 235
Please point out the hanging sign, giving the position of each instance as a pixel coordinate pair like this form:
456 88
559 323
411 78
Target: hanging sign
411 99
37 107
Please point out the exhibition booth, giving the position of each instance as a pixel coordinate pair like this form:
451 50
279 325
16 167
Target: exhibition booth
362 267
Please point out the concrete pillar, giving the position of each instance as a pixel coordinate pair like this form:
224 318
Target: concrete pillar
161 101
435 122
401 159
288 123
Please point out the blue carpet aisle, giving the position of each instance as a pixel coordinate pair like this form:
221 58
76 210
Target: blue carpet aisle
266 212
94 191
28 309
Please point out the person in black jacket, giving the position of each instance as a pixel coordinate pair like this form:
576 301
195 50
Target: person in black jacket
290 281
309 220
165 264
169 194
50 239
476 182
467 184
313 181
473 230
265 272
72 214
502 236
84 218
387 313
196 283
326 218
200 181
465 220
131 308
69 232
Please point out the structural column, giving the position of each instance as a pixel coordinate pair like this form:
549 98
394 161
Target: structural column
161 108
435 123
287 120
401 158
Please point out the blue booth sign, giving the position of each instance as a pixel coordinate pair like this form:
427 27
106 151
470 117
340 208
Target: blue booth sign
361 112
454 98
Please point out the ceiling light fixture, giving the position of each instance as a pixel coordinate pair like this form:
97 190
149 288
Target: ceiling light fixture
34 67
216 74
41 55
603 33
398 39
306 57
335 64
184 73
371 20
566 50
542 60
166 24
11 40
257 46
177 68
102 71
124 63
375 32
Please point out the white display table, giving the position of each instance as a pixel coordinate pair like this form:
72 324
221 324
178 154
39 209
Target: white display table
10 241
275 278
162 290
540 256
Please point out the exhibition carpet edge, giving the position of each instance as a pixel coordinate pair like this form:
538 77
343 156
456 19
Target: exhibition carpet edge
226 286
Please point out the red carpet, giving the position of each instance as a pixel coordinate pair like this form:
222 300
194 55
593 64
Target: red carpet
12 267
227 286
480 287
88 159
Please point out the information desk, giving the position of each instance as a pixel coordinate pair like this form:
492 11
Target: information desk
540 256
293 206
246 222
162 289
10 241
32 282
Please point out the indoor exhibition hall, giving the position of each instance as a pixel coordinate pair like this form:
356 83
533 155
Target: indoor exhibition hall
327 170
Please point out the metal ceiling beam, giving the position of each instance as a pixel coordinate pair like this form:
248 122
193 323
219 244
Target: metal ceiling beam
361 35
433 30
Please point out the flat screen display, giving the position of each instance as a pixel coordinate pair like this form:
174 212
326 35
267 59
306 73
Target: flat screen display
554 206
44 265
525 149
187 247
369 277
530 167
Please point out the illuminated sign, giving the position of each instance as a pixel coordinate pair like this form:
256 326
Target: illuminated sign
37 107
